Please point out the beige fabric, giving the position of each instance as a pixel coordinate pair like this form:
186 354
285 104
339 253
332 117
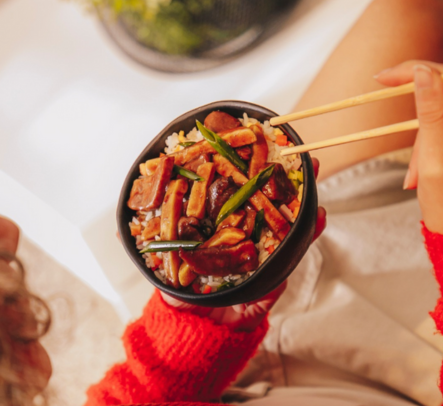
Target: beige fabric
84 340
355 315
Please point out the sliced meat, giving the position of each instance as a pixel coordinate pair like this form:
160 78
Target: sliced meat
279 188
259 152
226 169
237 137
227 236
244 153
189 229
194 164
222 261
233 220
152 229
219 121
218 194
171 213
199 191
147 193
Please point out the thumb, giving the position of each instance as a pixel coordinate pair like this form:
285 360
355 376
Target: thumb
429 100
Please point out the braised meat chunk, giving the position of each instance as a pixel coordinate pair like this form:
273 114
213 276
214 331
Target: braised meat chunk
219 121
218 194
148 193
279 188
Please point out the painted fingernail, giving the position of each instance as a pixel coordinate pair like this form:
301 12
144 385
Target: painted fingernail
382 72
406 181
423 76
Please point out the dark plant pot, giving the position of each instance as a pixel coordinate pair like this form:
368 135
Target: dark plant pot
285 258
251 22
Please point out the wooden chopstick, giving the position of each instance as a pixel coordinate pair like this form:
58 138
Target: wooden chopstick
363 135
343 104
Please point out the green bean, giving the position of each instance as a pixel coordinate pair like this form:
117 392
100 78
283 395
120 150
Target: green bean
164 246
244 193
258 225
222 147
187 173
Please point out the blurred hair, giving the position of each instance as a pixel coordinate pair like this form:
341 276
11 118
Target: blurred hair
24 318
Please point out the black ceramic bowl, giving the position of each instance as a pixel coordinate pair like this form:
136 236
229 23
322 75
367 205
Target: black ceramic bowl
284 259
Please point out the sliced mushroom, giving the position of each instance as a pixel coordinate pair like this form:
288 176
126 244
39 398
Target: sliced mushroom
189 229
224 260
231 236
218 194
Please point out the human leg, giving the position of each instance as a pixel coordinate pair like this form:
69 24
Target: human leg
388 32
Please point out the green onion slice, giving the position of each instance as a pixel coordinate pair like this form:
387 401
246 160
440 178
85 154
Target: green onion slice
164 246
225 285
244 193
187 173
186 144
258 225
222 147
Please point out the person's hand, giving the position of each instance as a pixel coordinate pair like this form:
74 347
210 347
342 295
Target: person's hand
9 234
246 317
426 167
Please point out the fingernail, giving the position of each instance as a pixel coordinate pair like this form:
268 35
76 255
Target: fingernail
423 76
382 72
406 181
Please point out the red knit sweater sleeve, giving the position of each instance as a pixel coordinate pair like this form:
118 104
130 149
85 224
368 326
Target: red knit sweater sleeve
434 245
175 356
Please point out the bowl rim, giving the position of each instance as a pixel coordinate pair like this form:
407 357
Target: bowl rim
128 243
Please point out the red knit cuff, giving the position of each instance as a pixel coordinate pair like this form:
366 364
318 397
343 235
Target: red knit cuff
177 355
434 245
